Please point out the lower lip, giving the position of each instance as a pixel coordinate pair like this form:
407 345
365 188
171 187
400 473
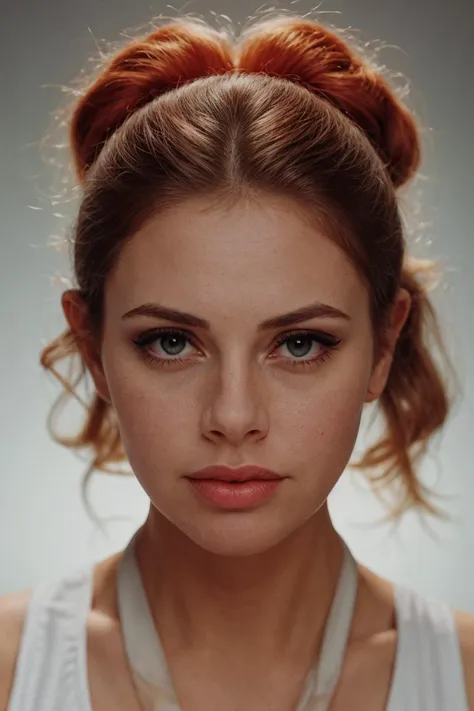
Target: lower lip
235 495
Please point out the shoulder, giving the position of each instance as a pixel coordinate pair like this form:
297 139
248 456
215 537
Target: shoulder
13 609
465 626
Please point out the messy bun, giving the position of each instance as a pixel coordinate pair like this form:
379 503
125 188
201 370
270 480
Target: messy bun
324 63
162 61
289 107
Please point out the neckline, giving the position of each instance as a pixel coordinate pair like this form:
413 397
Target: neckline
147 659
85 689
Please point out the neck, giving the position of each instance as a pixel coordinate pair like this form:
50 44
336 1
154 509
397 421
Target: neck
271 604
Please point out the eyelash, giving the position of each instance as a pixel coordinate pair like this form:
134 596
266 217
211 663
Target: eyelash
328 342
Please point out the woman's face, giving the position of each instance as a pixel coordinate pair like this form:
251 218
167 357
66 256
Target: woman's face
288 397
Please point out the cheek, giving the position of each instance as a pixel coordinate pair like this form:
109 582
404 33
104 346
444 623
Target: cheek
321 425
323 430
155 422
154 410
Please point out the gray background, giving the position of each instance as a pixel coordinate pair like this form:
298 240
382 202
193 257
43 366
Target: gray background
44 528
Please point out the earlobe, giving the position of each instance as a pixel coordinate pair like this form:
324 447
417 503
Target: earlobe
76 313
381 370
100 381
379 377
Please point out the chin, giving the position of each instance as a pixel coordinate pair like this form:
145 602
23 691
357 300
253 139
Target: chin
238 534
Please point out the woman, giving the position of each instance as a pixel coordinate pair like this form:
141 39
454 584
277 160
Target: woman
239 200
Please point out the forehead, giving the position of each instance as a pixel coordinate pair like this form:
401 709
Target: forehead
264 255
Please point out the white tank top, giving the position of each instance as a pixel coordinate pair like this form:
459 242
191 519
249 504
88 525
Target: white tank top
51 668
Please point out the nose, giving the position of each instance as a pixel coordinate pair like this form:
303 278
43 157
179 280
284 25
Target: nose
235 410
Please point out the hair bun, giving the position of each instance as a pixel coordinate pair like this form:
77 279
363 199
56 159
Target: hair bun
139 73
300 50
308 53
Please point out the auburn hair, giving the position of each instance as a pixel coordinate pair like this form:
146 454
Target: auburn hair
288 108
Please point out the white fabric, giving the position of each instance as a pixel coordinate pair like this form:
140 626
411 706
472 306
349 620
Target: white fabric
51 670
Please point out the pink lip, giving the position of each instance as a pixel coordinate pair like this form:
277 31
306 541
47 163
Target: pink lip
241 488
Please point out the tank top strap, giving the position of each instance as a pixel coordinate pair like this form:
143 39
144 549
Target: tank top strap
428 670
51 667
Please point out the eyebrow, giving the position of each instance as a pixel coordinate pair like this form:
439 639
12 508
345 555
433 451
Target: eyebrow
304 313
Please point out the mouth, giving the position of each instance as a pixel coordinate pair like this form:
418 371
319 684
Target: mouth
235 494
246 473
245 487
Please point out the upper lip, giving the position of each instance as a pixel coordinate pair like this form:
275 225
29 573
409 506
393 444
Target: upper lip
243 473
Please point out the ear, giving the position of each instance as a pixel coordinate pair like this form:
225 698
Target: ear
381 369
77 316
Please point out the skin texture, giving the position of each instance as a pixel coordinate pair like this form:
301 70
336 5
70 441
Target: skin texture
262 577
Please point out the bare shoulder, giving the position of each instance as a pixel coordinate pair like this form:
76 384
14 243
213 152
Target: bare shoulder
13 608
465 625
